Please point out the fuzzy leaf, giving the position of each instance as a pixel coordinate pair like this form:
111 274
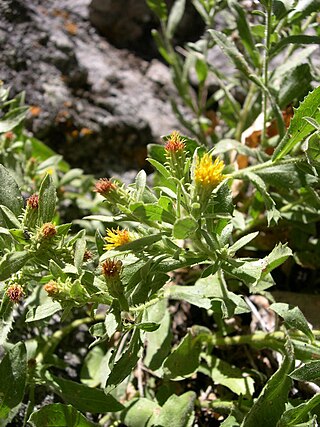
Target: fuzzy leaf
293 317
47 200
13 374
82 397
10 195
128 360
308 372
184 359
184 227
12 262
300 413
57 414
270 404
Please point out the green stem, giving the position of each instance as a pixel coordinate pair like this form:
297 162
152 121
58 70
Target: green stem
265 71
58 336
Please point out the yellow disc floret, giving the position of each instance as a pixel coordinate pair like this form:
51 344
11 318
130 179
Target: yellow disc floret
208 174
115 238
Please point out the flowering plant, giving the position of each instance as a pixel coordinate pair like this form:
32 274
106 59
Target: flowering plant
188 250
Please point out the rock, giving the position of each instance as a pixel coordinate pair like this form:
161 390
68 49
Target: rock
132 29
95 104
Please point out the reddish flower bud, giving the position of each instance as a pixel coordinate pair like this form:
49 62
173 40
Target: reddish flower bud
15 293
33 201
111 269
51 288
104 186
48 230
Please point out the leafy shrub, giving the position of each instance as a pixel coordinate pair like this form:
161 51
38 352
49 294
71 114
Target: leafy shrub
191 237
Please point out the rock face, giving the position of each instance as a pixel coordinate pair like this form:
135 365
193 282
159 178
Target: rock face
95 104
128 24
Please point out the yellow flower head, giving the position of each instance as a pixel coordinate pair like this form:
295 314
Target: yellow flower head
208 174
115 238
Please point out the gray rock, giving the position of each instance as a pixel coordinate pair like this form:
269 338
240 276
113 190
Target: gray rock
99 106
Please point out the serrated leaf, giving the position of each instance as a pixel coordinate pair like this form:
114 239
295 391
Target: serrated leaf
57 414
47 200
13 374
299 129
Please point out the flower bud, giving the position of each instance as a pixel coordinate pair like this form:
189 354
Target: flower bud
15 293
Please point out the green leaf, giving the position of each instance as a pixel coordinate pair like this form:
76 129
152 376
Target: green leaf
293 317
233 54
159 342
141 243
308 372
229 376
140 183
82 397
295 85
43 311
271 402
12 262
242 242
161 47
8 218
178 409
175 17
10 195
303 9
296 39
79 249
300 413
184 227
159 8
184 359
13 374
57 414
138 411
47 200
152 212
90 369
6 318
12 119
128 360
148 326
245 33
299 129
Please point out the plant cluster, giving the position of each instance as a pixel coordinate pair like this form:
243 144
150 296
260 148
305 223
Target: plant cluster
191 238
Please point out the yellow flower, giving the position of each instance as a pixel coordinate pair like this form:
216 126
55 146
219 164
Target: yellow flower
208 174
115 238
